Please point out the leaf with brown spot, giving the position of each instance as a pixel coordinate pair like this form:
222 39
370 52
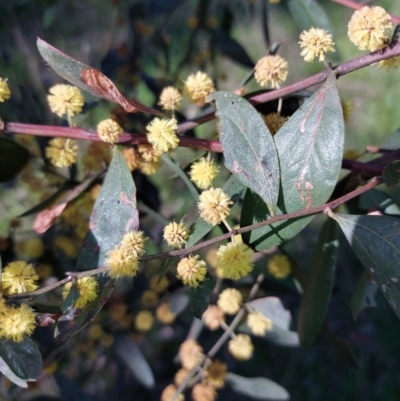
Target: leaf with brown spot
88 78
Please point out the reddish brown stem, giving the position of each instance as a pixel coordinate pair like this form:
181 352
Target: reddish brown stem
356 6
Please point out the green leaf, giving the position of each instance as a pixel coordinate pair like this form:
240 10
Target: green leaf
200 296
314 303
114 214
13 158
179 172
308 13
258 388
272 308
234 188
87 78
7 372
376 242
310 148
71 298
23 358
374 199
249 148
364 295
133 358
391 173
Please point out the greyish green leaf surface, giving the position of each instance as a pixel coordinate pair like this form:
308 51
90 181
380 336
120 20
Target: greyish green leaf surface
310 148
258 388
391 173
249 148
133 358
200 295
114 214
375 199
234 188
314 302
376 242
364 295
7 372
308 13
13 158
23 358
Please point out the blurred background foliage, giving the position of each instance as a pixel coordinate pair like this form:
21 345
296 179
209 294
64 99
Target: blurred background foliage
143 46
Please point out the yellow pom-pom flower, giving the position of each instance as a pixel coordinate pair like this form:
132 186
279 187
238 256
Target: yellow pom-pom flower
279 266
133 242
368 28
144 320
159 284
216 373
190 354
109 130
274 122
164 314
315 43
180 376
213 317
169 392
5 92
170 98
176 234
122 263
18 277
234 260
198 86
149 168
203 172
161 133
230 301
149 298
87 287
132 158
241 347
258 323
214 205
16 322
191 271
271 70
62 152
203 392
65 99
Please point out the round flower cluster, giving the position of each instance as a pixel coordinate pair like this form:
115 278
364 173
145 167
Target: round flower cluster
191 270
87 287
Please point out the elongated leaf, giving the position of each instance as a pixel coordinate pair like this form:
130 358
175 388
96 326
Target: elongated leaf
88 78
391 173
308 13
231 48
310 148
258 388
13 158
133 358
178 170
364 295
23 358
376 242
375 199
234 188
249 148
200 296
314 303
114 214
7 372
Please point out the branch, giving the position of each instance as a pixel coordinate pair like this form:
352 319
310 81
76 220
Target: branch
183 252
